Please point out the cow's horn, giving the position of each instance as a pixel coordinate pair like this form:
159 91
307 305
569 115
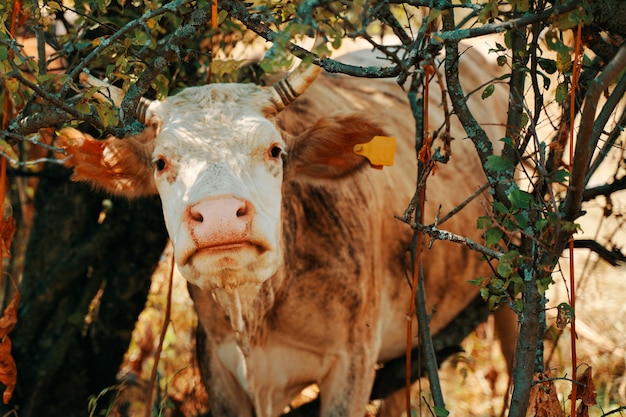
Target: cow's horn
293 85
143 110
116 95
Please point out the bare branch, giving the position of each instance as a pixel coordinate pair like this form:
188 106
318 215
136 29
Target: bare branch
607 111
585 145
457 35
604 190
440 234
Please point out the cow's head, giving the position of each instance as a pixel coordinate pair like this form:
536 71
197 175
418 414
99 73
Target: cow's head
217 159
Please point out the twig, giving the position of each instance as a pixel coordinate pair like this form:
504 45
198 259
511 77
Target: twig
157 354
439 234
34 141
460 207
622 408
21 164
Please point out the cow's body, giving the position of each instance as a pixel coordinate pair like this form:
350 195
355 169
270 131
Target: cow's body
313 289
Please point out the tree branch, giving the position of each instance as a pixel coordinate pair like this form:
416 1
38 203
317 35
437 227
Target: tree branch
238 10
482 144
604 190
439 234
457 35
608 111
585 145
613 257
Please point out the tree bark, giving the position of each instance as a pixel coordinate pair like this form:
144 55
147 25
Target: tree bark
86 278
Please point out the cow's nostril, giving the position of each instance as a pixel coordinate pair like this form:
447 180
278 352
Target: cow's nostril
196 216
242 211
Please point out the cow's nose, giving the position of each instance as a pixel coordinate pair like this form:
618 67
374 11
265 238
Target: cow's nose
220 221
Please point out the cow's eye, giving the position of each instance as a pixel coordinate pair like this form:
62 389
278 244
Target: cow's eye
275 151
160 163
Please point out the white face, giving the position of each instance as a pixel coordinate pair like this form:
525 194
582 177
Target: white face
218 167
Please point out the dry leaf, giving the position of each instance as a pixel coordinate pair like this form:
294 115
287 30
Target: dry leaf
564 316
7 230
8 369
543 399
585 391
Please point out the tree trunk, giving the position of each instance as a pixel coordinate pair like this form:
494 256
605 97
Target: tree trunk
86 277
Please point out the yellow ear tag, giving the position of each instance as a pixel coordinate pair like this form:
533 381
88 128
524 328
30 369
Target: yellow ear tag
380 151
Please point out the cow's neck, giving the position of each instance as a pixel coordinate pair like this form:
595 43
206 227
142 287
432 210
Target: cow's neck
246 306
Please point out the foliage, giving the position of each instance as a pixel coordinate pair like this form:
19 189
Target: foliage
155 48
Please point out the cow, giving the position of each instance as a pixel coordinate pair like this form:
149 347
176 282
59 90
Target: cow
295 259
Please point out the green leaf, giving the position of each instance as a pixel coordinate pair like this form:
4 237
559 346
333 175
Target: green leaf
509 224
561 92
484 293
544 283
493 236
488 91
478 282
501 60
520 199
140 38
501 208
483 222
522 219
548 65
581 15
519 5
107 114
570 227
518 284
499 163
507 263
83 108
567 310
541 224
54 6
497 284
561 175
508 141
524 119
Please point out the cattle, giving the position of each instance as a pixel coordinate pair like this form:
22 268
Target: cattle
295 259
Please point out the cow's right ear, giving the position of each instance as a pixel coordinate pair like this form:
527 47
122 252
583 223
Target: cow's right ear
326 149
121 167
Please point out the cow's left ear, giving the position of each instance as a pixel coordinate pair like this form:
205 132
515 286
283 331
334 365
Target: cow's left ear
326 149
119 166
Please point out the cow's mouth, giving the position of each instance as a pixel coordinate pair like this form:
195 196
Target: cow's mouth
227 254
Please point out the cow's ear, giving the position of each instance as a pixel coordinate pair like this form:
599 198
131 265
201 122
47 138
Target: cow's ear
119 166
325 150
